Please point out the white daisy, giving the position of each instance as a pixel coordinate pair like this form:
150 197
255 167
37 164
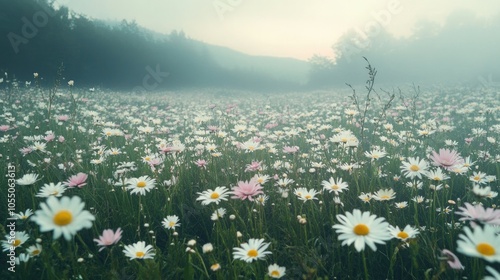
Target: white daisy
139 250
65 216
255 249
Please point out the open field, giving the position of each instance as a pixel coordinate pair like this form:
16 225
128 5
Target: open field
322 184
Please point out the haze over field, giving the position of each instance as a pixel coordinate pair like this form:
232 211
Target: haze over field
242 44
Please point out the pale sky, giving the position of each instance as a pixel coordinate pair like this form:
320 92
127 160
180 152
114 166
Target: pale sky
284 28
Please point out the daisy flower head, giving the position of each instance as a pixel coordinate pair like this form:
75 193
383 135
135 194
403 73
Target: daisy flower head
375 154
305 194
446 158
276 271
108 238
14 241
414 167
140 185
483 242
255 249
247 189
170 222
27 179
386 194
64 216
408 232
139 250
51 190
218 214
451 259
362 229
24 215
77 180
335 185
477 213
34 250
215 196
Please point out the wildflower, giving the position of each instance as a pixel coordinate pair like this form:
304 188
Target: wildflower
250 146
362 229
34 250
478 178
375 154
261 179
170 222
401 205
437 175
247 189
484 192
452 259
365 197
139 250
191 243
283 183
261 199
335 186
276 271
446 158
290 150
254 166
207 248
140 185
408 232
414 168
386 194
482 243
477 213
51 190
108 238
305 194
27 179
418 199
25 215
201 163
255 249
14 241
64 216
217 214
215 267
209 196
38 146
77 180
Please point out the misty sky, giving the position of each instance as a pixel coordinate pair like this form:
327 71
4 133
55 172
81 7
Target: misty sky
285 28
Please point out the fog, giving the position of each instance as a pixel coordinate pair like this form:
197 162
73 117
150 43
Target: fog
41 36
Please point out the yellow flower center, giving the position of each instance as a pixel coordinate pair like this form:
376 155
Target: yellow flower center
335 187
63 218
307 196
252 253
477 178
139 255
35 252
141 184
384 197
485 249
214 195
171 224
437 178
403 235
414 168
251 148
17 242
361 229
275 273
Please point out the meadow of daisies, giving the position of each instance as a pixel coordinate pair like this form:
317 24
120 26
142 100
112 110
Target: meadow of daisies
215 184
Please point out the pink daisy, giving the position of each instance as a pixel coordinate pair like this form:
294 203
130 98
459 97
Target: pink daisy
108 237
477 213
446 158
247 189
77 180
